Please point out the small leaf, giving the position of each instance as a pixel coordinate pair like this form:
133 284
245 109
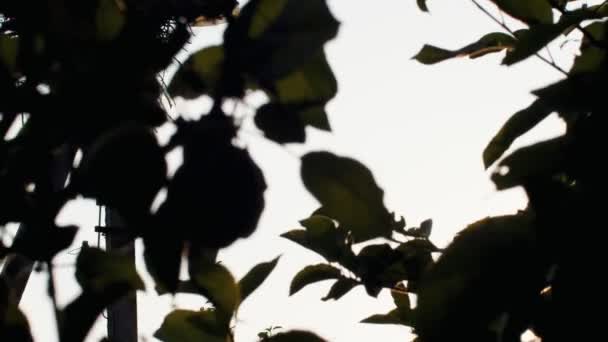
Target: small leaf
517 125
185 326
348 193
295 336
528 11
422 5
491 42
199 75
340 288
97 270
390 318
255 277
312 274
279 124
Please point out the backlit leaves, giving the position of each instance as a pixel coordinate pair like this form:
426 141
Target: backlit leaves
491 42
199 75
312 274
255 277
217 284
192 326
348 193
528 11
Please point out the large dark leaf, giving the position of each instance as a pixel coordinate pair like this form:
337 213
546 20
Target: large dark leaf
391 317
592 57
42 243
271 38
348 193
163 258
13 323
312 274
491 42
217 284
255 277
491 266
528 11
280 124
517 125
199 75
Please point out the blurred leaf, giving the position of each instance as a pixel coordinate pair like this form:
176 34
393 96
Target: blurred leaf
279 124
110 20
424 231
422 5
217 284
348 192
3 250
517 125
295 336
163 258
390 318
340 288
191 326
255 277
528 11
491 42
542 158
271 38
9 47
578 93
591 57
312 274
404 307
14 326
199 75
97 270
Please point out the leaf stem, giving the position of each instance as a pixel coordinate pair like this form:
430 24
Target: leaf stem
504 26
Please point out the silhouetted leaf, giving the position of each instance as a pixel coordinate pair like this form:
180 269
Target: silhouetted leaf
13 323
295 336
217 284
493 256
110 20
404 307
255 277
163 258
279 124
199 75
422 5
390 318
348 193
491 42
424 231
312 274
97 270
40 242
271 38
517 125
528 11
591 57
3 250
340 288
191 326
542 158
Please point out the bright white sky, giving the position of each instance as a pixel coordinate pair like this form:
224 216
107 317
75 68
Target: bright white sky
420 129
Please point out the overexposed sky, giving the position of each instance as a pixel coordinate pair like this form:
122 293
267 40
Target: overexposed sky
420 129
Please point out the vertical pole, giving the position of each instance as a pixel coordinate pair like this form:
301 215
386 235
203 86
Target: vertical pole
122 315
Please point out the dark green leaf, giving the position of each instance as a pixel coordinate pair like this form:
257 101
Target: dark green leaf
255 277
591 57
542 158
528 11
295 336
163 258
9 47
578 93
390 318
340 288
520 123
348 193
191 326
280 124
110 20
97 270
216 283
272 38
199 75
422 5
312 274
491 42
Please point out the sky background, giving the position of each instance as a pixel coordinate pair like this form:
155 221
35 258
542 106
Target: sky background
420 129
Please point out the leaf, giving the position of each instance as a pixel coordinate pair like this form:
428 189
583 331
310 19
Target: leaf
272 38
340 288
544 158
9 48
279 124
312 83
424 231
517 125
217 284
348 193
3 251
96 270
199 75
592 57
529 11
110 20
41 242
404 307
490 266
14 326
255 277
422 5
295 336
389 318
491 42
163 258
185 326
312 274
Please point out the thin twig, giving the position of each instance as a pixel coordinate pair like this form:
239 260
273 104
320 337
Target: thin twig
504 26
550 54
